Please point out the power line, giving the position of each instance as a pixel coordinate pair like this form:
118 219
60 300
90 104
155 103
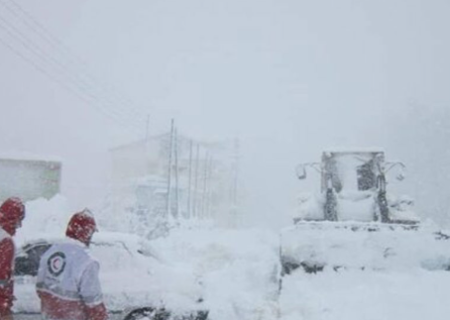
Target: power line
42 70
47 61
34 25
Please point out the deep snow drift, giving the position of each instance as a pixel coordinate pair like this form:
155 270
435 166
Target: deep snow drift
238 272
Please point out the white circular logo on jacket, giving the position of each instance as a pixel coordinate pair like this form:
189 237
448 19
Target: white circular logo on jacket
56 263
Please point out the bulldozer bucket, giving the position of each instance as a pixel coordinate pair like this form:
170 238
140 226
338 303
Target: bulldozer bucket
317 246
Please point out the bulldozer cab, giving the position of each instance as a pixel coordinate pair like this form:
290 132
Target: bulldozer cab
357 171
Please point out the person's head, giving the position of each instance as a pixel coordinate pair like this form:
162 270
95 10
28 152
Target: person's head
12 212
81 227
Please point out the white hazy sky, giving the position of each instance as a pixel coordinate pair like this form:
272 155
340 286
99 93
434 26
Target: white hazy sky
289 78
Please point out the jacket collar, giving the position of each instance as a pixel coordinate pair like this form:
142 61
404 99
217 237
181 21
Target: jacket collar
75 242
4 234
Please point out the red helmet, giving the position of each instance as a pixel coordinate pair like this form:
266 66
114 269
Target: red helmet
81 226
12 212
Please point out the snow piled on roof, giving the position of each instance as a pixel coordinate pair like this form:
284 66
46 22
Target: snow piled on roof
26 156
354 150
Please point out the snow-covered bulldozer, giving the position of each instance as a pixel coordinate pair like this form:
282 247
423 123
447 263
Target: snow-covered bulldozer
354 223
353 188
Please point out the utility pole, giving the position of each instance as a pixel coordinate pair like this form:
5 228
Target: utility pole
205 175
236 179
169 173
234 184
208 189
196 181
147 127
147 156
189 181
177 213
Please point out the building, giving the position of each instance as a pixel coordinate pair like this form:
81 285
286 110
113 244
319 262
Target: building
29 177
200 182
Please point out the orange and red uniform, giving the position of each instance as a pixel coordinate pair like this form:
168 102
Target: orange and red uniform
12 212
68 280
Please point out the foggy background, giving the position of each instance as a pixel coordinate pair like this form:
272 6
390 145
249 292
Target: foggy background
287 78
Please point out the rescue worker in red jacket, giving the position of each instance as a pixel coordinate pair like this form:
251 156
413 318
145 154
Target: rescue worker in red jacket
12 212
67 282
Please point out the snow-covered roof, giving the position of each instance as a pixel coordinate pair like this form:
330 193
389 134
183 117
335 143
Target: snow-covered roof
204 143
26 156
354 150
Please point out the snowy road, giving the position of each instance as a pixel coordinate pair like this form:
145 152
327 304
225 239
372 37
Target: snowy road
368 295
237 272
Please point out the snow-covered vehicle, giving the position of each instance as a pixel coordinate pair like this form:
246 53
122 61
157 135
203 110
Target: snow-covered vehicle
354 223
135 283
353 188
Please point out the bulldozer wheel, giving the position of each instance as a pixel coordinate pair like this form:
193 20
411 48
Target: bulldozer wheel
147 313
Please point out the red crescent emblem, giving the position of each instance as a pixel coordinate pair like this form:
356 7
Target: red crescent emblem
55 263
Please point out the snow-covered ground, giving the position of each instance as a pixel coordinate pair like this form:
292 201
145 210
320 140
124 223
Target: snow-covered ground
238 271
367 295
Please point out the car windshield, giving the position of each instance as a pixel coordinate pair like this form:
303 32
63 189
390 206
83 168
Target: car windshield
27 262
114 255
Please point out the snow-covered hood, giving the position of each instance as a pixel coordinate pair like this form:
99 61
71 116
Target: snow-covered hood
129 275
